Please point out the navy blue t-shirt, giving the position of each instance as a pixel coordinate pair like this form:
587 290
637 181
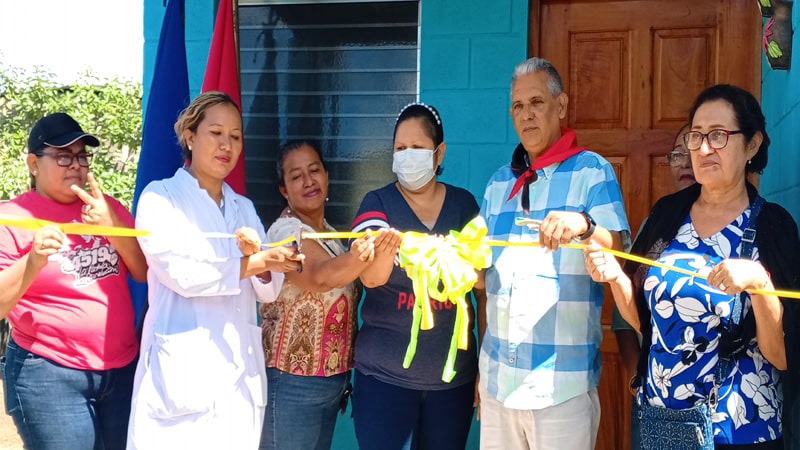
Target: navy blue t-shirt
387 310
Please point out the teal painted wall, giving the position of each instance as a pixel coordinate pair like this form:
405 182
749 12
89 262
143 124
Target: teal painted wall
468 51
780 100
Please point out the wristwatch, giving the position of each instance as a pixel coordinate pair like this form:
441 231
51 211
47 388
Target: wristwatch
590 224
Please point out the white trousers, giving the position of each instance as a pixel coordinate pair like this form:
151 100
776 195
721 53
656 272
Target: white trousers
571 425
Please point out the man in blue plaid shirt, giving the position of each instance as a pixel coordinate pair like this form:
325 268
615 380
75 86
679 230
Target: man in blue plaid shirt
540 323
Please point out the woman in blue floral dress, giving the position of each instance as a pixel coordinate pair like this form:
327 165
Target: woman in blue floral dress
688 322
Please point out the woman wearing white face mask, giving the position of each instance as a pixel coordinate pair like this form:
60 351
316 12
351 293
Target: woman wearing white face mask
395 407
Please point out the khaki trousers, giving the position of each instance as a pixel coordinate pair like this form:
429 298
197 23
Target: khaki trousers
571 425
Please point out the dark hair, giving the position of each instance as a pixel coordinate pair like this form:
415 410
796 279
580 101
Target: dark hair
290 147
430 118
748 115
191 117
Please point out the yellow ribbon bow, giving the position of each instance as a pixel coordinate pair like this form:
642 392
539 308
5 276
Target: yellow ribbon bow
443 269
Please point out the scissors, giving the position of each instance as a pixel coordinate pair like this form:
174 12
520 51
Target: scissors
298 247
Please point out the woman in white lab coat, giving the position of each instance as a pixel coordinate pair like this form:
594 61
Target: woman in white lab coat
200 381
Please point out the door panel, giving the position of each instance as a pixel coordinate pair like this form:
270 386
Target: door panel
680 55
600 80
632 69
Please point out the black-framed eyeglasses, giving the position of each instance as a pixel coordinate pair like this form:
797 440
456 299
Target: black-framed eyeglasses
64 159
717 139
677 159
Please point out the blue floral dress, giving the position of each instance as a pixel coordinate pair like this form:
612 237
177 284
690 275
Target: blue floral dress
687 316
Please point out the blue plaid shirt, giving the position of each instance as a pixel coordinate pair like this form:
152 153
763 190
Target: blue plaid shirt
543 332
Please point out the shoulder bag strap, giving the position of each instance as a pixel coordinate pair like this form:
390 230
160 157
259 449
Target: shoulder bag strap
748 241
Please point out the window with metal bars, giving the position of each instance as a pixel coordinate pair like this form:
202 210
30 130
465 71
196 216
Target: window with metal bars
336 73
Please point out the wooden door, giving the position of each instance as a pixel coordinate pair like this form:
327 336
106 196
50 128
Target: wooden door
632 70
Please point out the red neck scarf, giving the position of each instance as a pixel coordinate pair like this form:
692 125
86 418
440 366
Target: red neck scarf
563 148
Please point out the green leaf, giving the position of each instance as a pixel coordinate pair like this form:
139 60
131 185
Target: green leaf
774 50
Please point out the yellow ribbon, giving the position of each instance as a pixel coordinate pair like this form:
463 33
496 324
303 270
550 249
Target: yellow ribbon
649 262
100 230
71 227
440 268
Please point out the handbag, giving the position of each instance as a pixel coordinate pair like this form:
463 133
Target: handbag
691 429
676 429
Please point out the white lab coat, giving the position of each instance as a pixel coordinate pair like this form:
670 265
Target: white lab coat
200 382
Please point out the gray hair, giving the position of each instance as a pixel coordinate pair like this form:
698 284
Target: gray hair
535 64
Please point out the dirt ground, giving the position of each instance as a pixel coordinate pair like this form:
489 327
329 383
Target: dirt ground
9 439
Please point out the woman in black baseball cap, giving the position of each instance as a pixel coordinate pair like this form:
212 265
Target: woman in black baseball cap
57 130
70 362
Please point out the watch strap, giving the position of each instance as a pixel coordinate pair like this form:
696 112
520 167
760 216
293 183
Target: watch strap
590 223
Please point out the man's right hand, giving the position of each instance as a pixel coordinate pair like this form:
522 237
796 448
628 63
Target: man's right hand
560 227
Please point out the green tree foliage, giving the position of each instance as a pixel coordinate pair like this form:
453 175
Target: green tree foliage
111 109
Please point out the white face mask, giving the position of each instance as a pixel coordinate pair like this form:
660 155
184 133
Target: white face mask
413 167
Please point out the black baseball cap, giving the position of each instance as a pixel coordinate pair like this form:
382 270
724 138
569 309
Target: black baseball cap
57 130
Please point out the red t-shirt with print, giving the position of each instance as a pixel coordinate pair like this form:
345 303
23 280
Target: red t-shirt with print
78 311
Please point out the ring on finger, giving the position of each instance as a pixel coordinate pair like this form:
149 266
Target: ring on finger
722 286
87 208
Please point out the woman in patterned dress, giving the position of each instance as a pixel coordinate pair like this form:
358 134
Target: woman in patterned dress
310 328
688 323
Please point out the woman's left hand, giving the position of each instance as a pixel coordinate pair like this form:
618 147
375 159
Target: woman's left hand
96 210
387 241
602 267
736 275
281 259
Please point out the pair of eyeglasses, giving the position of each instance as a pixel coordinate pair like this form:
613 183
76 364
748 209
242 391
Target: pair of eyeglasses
64 159
717 139
677 159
